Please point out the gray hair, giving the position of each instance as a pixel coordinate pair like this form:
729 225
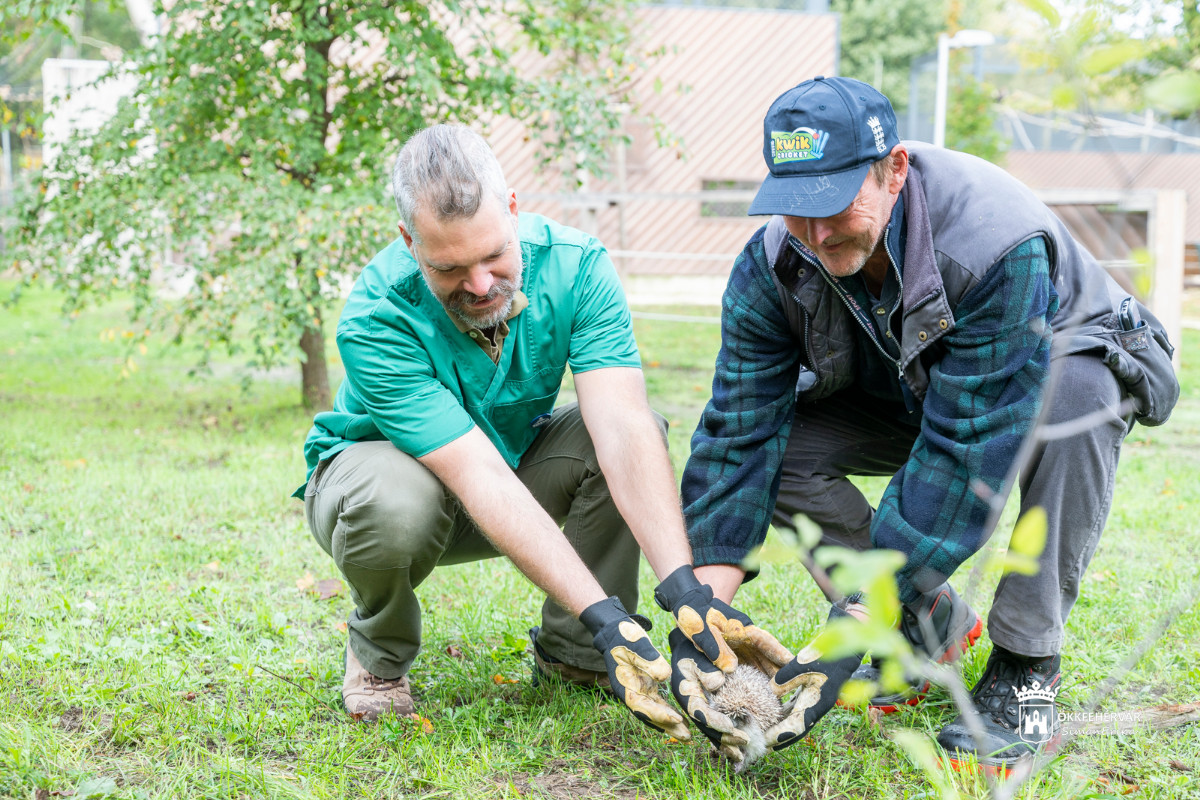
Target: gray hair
447 169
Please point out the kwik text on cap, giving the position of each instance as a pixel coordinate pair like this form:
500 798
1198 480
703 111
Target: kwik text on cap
819 140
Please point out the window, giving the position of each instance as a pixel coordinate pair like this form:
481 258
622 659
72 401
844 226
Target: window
724 207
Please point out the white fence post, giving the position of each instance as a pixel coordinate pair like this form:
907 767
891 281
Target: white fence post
1166 234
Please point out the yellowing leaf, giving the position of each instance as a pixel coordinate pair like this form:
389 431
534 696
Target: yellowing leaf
305 583
1025 547
1045 10
1113 56
920 750
1064 96
856 692
1176 93
1029 534
883 598
421 724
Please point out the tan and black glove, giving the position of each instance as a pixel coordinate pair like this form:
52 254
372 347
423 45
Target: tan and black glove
816 683
711 639
635 667
714 626
693 678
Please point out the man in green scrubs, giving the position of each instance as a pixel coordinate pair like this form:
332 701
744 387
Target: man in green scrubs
444 446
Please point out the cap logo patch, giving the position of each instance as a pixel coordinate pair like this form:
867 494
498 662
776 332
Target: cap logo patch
802 144
877 130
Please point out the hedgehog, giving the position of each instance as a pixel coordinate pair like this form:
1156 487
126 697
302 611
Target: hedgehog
747 699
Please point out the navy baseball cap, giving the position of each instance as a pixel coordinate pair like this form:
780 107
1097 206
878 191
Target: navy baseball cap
819 140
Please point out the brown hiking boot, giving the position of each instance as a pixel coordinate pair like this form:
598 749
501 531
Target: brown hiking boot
367 697
547 666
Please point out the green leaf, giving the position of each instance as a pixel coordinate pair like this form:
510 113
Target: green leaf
883 595
1029 534
892 676
857 571
96 788
1113 56
1143 275
780 547
1176 93
808 533
843 637
1064 96
1044 9
922 753
1025 546
856 692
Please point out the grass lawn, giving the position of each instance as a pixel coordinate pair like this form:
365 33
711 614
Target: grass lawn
169 628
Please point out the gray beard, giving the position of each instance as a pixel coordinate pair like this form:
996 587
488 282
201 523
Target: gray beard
492 319
456 308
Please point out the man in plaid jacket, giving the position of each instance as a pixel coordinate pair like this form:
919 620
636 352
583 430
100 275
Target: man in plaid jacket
910 311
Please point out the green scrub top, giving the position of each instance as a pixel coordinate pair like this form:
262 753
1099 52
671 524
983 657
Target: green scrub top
414 379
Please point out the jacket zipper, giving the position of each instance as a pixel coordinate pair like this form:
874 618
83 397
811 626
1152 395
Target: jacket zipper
868 329
805 344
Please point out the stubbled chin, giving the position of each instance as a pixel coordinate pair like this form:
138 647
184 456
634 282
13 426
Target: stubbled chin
483 319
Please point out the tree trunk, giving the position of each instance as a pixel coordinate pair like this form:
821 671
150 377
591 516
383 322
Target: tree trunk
314 376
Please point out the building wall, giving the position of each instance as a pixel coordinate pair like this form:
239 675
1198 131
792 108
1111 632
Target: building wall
1041 169
720 71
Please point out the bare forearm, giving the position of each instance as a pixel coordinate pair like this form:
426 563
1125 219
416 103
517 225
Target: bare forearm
513 521
633 457
642 483
725 579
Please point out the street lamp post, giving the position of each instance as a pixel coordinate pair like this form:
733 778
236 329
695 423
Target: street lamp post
967 38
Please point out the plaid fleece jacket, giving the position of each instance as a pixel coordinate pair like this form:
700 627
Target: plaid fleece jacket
983 396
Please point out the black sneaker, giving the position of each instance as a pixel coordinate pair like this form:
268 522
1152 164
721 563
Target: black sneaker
547 666
910 695
1015 702
953 627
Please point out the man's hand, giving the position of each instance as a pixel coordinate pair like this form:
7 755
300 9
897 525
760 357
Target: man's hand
693 677
715 628
816 683
635 667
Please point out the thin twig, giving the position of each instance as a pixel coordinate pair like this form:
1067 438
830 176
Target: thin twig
325 703
952 679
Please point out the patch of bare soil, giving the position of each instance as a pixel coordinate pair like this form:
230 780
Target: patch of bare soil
71 719
557 782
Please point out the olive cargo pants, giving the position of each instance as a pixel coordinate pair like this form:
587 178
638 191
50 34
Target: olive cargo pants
387 521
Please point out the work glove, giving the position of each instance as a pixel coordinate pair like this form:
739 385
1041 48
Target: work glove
713 626
816 683
635 667
693 677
